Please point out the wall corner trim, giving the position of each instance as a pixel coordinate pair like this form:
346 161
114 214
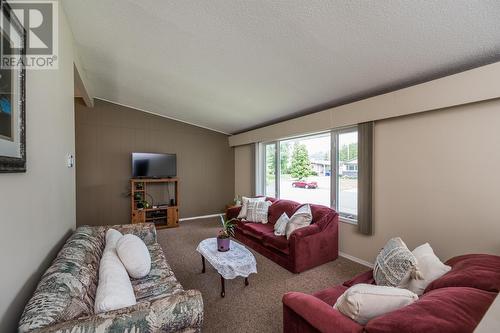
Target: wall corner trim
201 217
83 86
355 259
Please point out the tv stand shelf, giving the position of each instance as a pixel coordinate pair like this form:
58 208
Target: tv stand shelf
165 216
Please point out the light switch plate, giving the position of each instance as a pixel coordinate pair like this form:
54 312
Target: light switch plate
70 161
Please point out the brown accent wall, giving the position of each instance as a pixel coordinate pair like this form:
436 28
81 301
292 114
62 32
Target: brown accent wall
107 134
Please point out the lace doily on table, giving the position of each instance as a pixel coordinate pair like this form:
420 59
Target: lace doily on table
238 261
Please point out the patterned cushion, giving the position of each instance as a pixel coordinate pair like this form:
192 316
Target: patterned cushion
244 206
395 264
300 219
257 211
145 231
160 280
63 301
280 226
68 287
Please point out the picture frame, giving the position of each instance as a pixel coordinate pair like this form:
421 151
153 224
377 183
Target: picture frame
12 93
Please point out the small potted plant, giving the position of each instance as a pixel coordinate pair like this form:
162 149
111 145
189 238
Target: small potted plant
237 200
227 231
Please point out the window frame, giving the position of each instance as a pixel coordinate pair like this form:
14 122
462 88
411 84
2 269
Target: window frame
263 166
334 166
335 161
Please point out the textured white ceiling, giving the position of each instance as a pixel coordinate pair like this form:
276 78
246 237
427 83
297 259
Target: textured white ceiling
231 65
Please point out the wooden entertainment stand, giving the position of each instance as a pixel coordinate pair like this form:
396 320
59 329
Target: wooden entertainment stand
163 215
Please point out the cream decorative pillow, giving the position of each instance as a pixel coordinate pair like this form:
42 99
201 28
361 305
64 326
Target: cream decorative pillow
244 205
114 289
257 211
134 255
280 225
300 219
429 266
395 265
363 302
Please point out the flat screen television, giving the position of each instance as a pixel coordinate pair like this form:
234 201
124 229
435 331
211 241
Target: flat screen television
149 165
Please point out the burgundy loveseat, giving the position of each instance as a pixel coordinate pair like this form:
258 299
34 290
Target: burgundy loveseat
307 247
454 303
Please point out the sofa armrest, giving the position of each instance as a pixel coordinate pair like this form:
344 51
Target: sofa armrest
318 314
233 212
171 313
313 245
145 231
304 232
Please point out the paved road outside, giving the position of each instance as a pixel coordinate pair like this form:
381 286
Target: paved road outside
348 193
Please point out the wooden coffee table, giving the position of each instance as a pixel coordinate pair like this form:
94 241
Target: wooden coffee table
238 261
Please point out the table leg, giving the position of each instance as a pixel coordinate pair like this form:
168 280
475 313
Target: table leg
246 281
203 263
223 291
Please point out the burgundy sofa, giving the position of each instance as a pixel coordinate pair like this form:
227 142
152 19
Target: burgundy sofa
456 302
307 247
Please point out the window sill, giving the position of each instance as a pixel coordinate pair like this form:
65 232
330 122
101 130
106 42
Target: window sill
347 220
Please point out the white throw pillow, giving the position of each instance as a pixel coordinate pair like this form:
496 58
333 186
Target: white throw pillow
429 266
114 290
363 302
395 265
134 255
280 225
112 237
300 219
257 211
244 205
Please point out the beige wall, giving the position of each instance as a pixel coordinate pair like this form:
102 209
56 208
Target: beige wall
38 207
243 169
107 134
435 180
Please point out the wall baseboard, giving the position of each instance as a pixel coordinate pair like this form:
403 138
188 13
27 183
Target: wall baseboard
342 254
355 259
200 217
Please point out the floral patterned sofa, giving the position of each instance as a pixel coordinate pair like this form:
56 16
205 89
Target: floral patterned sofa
64 298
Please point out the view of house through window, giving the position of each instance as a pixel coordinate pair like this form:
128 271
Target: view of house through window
300 169
347 176
305 169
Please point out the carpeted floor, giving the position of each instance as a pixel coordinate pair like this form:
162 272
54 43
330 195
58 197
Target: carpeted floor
256 308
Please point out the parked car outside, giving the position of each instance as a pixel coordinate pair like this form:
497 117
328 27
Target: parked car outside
305 184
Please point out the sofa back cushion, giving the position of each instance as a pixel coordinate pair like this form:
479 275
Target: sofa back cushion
279 207
319 212
289 207
67 289
481 271
145 231
456 310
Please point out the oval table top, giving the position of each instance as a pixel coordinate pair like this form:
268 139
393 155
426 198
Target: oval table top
238 261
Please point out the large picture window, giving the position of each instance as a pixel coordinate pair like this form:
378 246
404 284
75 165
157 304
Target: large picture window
320 169
305 169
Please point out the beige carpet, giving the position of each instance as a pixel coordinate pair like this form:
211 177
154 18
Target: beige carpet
256 308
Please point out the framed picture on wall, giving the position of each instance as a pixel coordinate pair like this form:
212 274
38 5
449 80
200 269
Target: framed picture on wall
12 93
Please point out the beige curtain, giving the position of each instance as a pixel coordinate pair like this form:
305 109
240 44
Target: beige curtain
365 166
